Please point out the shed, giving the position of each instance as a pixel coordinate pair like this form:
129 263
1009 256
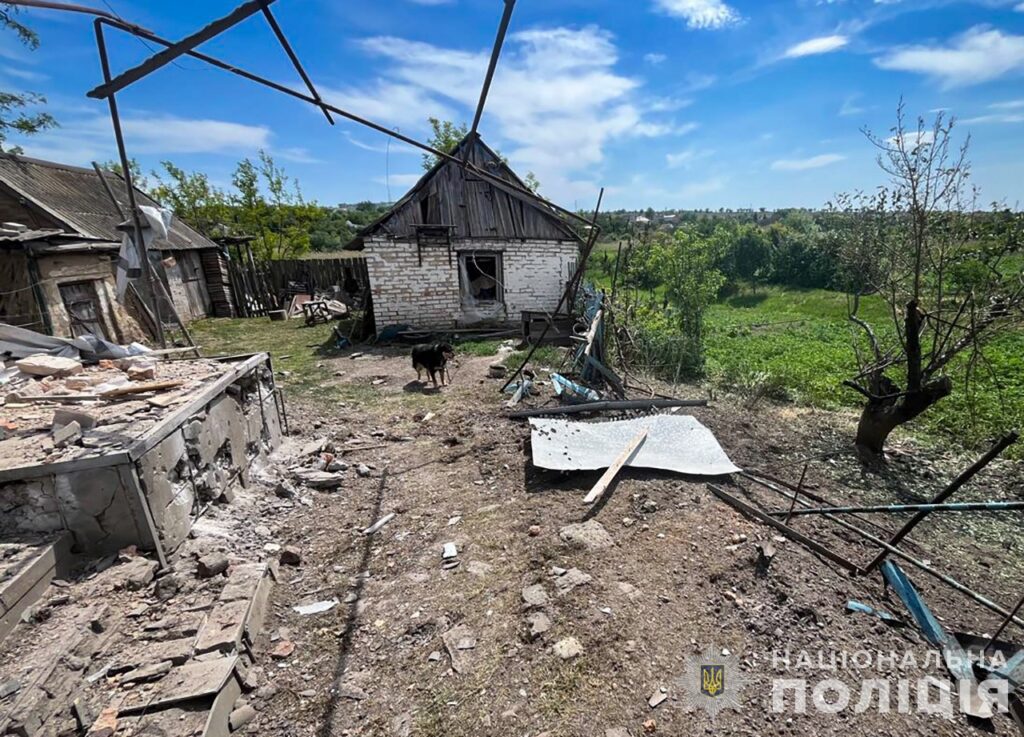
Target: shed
458 251
59 243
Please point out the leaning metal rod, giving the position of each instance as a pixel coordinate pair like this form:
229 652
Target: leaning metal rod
140 244
966 475
495 181
796 493
1003 625
495 53
565 294
283 40
897 508
893 550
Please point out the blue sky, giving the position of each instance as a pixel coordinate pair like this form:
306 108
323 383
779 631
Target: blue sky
666 103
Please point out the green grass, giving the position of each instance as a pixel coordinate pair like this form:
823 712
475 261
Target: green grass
795 344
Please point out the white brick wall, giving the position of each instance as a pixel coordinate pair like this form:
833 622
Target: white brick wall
427 296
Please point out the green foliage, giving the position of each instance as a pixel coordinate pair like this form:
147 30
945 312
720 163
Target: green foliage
14 114
192 197
531 182
445 136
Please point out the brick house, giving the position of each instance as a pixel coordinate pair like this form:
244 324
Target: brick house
456 251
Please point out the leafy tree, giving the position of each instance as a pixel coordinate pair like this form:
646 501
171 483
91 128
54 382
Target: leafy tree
532 183
281 219
951 278
445 136
192 197
14 117
138 178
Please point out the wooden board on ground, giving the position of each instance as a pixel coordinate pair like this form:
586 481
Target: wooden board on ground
606 479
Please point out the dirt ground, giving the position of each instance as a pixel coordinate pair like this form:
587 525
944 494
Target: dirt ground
418 648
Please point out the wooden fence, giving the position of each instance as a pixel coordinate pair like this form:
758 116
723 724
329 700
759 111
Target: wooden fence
261 286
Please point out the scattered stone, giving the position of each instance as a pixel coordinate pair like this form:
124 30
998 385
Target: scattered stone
458 641
141 372
43 365
291 556
449 551
363 470
9 687
240 717
534 530
68 434
323 480
628 521
136 574
589 535
212 564
567 648
539 623
349 690
64 416
497 370
650 726
105 725
534 597
657 698
571 579
434 656
337 466
285 490
167 587
283 650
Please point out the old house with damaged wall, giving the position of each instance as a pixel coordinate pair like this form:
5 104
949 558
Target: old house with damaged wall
59 246
458 251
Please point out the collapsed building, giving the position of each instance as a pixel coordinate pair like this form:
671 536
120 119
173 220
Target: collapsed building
59 241
459 251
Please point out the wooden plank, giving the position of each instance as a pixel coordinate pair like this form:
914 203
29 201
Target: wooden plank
142 387
613 470
187 44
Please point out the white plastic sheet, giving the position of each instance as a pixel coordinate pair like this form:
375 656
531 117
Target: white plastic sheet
677 443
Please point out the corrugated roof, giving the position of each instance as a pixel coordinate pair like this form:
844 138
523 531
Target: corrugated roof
21 236
448 195
76 197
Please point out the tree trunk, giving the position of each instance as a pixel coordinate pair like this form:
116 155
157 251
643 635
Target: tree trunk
880 417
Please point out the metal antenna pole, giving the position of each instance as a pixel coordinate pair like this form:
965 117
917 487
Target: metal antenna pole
499 41
140 244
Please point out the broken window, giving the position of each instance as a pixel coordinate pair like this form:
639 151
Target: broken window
480 278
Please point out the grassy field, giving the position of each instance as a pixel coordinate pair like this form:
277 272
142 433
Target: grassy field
795 345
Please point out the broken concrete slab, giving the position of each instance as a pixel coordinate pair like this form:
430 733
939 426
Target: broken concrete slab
589 535
151 672
223 628
44 365
66 435
64 416
539 624
323 480
192 681
212 564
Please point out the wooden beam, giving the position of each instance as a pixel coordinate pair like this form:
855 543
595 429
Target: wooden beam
187 44
613 470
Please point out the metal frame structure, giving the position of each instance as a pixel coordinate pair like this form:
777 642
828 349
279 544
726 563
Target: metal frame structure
187 47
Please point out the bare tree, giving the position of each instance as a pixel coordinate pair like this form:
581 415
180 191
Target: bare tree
949 274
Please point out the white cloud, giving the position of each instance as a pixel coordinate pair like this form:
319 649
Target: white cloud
683 159
667 104
978 55
699 13
813 46
850 107
1008 105
996 118
80 141
694 190
403 181
383 146
913 139
1020 8
25 74
555 105
814 162
655 59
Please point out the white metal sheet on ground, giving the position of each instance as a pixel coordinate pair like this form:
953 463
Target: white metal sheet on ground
674 443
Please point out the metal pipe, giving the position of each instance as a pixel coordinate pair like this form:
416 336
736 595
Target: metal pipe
283 40
140 244
893 550
896 508
796 493
954 486
498 182
71 8
565 295
1002 627
495 53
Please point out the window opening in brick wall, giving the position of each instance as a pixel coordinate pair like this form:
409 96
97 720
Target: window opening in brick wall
481 284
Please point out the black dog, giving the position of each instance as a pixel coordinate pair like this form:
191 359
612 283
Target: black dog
433 358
